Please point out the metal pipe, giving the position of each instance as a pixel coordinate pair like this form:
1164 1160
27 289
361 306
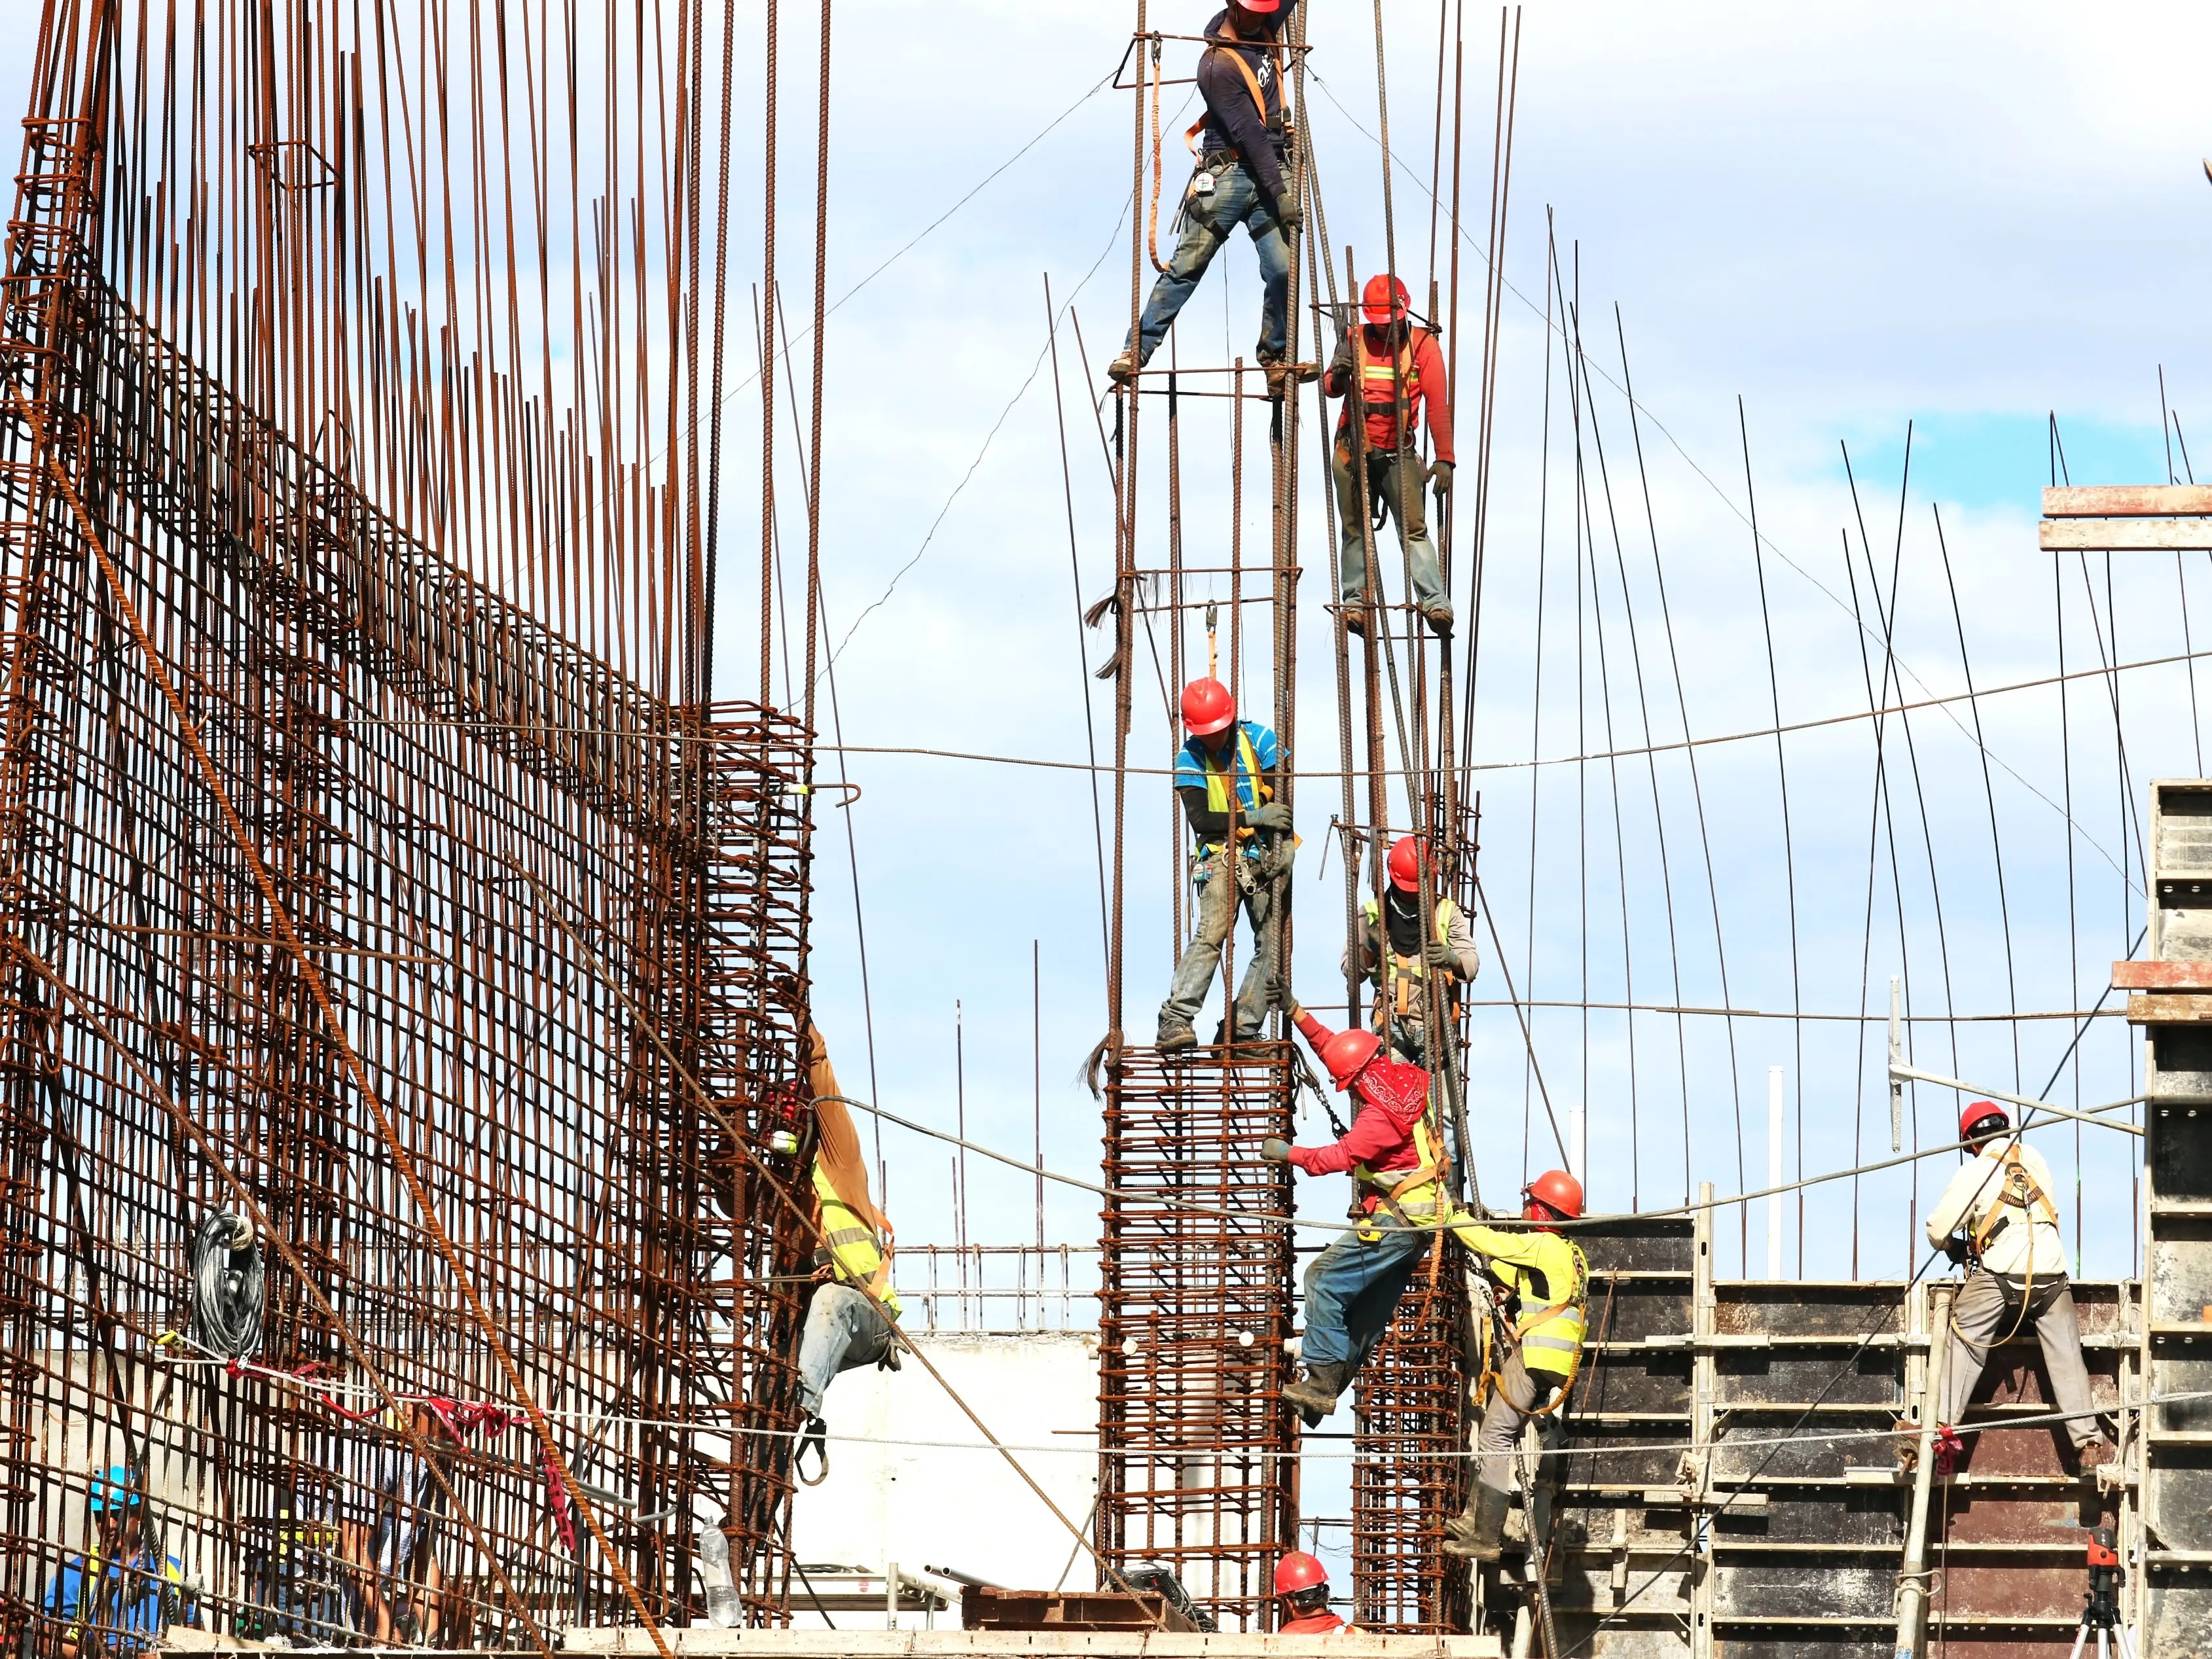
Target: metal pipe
1911 1586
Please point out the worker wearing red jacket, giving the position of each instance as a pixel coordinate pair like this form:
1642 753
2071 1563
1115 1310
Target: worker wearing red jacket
1397 1156
1393 370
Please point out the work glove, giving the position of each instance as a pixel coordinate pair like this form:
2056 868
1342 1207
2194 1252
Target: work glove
1440 475
1959 1248
1289 213
1438 954
1275 815
1275 1149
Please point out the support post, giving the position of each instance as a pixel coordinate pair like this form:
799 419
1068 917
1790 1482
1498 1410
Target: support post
1704 1383
1911 1577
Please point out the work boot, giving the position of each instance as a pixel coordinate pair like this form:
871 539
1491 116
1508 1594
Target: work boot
1477 1531
1316 1391
1355 621
2095 1455
1174 1039
1123 369
1440 618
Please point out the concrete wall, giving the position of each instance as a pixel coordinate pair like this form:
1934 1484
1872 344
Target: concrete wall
937 1506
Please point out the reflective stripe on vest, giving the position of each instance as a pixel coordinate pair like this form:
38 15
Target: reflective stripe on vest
849 1248
1217 779
1381 379
1399 972
1556 1326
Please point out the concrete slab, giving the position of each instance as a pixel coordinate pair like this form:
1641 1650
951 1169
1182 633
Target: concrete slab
618 1640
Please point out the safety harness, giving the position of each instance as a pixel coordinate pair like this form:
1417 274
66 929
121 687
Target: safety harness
2019 1192
1251 82
1404 973
1520 1333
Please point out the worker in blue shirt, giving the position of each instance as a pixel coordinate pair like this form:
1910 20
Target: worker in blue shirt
1239 181
1225 775
126 1593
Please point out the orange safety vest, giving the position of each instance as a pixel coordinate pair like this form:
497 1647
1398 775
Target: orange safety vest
1380 380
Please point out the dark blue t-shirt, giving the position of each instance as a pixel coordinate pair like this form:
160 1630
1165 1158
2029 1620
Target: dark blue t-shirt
1231 121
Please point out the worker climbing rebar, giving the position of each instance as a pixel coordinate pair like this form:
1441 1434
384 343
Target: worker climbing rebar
1225 775
1997 1214
1240 179
1398 1158
1399 962
1537 1316
1397 372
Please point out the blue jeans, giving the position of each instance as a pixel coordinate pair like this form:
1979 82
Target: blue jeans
1353 1289
843 1331
1386 473
1207 222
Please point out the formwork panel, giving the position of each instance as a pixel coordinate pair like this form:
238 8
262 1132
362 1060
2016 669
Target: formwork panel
1195 1308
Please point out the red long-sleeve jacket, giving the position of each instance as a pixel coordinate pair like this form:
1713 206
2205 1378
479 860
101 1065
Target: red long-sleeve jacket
1425 390
1391 1097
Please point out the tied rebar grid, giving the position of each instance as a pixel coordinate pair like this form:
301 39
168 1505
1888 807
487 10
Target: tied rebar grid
1193 1311
514 868
1409 1474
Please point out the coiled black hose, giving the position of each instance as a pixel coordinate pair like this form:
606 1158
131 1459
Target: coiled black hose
226 1289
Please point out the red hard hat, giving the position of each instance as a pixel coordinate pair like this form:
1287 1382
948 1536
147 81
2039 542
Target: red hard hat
1263 7
1406 864
1977 1112
1347 1054
1206 708
1298 1571
1382 300
1558 1189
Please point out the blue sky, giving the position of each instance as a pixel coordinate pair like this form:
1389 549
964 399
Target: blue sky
1966 218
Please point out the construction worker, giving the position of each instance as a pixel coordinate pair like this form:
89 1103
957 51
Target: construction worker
1398 371
1997 1214
1225 773
847 1326
1302 1584
1239 181
1398 1162
1394 958
1541 1293
126 1589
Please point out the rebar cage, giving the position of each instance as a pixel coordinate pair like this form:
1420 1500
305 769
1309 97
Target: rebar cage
340 890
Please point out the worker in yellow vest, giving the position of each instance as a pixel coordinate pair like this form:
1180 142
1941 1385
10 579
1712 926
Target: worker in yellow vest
1537 1319
1997 1214
847 1325
1396 371
1395 958
1226 776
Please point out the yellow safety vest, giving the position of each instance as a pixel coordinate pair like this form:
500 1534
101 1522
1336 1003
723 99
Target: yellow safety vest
1553 1281
1406 1190
1398 973
1219 780
849 1248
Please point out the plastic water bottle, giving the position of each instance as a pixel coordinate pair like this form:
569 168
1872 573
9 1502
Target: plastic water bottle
723 1608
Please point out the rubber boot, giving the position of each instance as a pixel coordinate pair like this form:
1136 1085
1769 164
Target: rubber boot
1316 1391
1475 1532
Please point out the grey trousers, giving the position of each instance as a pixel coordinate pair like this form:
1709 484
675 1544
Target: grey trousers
1386 471
1219 896
843 1331
1518 1393
1988 1304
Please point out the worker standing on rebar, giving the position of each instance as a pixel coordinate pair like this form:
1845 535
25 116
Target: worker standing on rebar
1537 1316
1398 371
1402 965
1226 776
1997 1214
1397 1158
1239 181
